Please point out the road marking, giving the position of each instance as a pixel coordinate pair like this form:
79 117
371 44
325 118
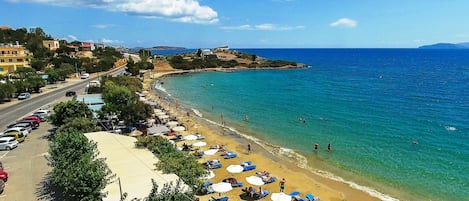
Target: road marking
4 154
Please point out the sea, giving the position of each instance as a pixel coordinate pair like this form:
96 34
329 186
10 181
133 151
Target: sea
397 120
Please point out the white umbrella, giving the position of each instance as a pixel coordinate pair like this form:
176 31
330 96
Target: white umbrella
254 180
209 175
179 128
211 152
199 144
157 110
222 187
280 197
172 123
160 113
163 116
234 168
190 137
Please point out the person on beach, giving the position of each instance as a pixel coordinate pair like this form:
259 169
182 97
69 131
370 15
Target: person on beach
282 184
249 148
316 146
329 147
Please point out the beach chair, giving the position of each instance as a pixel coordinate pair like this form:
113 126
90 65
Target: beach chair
233 181
248 166
263 174
225 198
206 188
230 155
264 194
270 180
310 197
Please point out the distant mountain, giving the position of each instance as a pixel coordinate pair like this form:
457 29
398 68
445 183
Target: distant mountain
446 46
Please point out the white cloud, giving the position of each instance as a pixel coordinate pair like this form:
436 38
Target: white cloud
187 11
262 27
103 26
344 22
72 37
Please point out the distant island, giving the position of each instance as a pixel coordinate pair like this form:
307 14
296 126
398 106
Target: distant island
446 46
166 48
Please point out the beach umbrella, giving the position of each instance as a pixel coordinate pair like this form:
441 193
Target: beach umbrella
211 152
209 175
280 197
163 116
190 137
199 144
172 123
157 110
222 187
254 180
234 168
160 113
179 128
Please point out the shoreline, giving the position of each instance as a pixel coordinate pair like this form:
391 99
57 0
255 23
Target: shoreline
321 182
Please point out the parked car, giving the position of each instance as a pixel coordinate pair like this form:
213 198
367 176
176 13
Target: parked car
27 126
33 123
24 96
17 135
34 118
42 111
85 76
70 93
19 129
42 117
8 143
2 186
3 175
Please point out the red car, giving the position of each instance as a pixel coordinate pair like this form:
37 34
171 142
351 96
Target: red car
36 119
3 175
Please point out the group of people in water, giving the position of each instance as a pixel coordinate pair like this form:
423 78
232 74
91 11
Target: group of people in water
316 147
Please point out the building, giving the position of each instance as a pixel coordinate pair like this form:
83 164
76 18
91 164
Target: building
224 48
51 44
87 47
12 57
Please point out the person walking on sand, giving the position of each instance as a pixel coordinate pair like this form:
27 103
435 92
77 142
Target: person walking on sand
329 147
249 148
282 184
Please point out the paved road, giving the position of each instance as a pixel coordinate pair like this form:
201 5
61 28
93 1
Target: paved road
26 165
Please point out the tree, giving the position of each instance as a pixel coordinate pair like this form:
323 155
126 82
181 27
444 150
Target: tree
80 124
132 113
67 111
77 170
35 82
117 97
6 90
24 72
21 86
169 192
199 52
144 54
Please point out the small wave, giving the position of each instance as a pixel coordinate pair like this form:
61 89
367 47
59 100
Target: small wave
197 112
161 88
450 128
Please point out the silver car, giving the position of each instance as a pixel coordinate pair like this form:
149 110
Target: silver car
8 143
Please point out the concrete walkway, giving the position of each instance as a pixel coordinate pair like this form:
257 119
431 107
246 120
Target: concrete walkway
135 167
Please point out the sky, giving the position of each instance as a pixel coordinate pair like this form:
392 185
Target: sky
246 23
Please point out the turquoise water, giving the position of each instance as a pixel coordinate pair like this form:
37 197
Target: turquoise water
370 104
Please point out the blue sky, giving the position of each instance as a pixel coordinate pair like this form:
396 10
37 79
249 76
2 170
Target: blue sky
246 23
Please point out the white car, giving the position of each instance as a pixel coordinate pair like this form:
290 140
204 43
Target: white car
43 112
19 129
8 143
85 76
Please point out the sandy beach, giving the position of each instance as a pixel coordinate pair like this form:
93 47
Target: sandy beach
297 178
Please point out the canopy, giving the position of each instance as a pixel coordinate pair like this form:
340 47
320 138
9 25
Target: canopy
163 116
190 137
172 123
157 130
254 180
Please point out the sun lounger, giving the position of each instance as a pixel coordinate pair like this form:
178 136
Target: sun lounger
248 166
264 194
263 174
270 180
206 188
310 197
225 198
230 154
234 183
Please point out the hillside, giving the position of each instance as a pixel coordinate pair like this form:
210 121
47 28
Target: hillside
446 46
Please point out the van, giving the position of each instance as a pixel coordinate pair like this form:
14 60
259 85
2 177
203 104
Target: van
8 143
17 135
